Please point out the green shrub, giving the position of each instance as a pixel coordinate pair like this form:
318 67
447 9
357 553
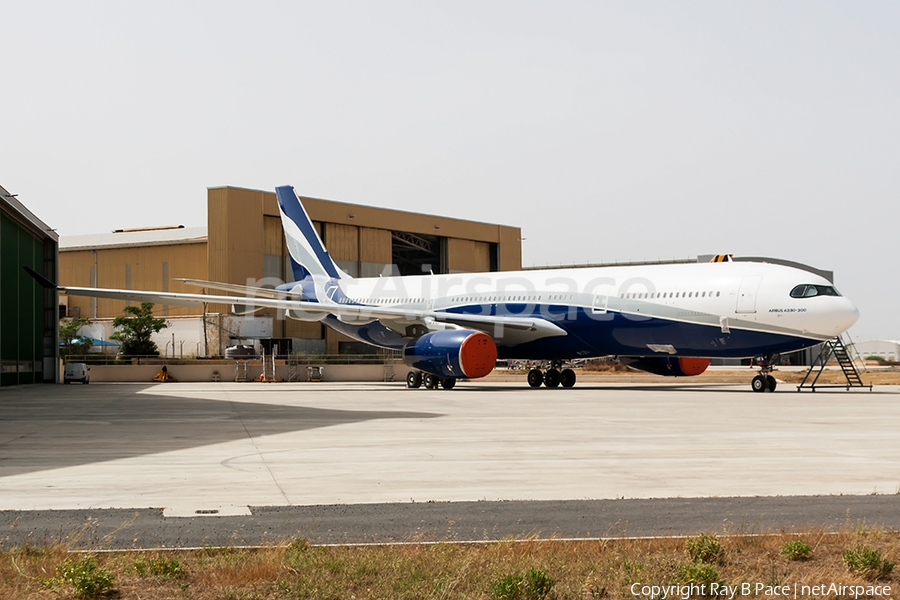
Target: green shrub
158 567
867 562
796 550
533 585
298 545
705 549
698 574
86 578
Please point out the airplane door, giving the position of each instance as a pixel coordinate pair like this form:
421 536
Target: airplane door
601 299
746 299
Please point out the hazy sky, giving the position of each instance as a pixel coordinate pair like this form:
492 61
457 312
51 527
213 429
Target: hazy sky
605 130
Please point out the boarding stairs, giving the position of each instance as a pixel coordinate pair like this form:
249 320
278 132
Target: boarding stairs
833 348
294 367
268 364
240 370
389 373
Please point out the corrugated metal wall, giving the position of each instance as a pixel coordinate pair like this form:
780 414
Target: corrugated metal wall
150 267
468 256
21 305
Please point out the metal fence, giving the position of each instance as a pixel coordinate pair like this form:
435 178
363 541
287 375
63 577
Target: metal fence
302 359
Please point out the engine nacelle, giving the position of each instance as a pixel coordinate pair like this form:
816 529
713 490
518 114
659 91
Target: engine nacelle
245 309
668 366
302 315
452 353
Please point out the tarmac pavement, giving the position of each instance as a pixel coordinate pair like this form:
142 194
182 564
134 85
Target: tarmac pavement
222 460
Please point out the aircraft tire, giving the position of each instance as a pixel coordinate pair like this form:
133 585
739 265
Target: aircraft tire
413 379
772 383
567 378
551 378
431 381
535 378
760 384
448 383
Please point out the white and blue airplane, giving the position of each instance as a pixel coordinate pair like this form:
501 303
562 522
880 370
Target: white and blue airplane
665 319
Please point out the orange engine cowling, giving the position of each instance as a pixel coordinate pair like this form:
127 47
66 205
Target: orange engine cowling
668 366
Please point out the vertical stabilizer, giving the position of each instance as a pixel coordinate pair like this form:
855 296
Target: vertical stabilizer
308 253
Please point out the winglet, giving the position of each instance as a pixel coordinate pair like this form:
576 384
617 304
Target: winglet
45 283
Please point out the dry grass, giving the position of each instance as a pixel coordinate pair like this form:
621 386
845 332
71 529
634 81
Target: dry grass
581 569
609 366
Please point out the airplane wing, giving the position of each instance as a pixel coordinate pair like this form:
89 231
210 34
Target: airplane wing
257 292
511 329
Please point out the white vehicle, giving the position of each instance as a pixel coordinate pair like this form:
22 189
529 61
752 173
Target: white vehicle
77 372
665 319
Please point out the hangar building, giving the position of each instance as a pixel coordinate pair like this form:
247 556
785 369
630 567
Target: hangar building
28 313
243 244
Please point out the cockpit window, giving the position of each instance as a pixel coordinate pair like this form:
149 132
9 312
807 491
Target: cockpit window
810 290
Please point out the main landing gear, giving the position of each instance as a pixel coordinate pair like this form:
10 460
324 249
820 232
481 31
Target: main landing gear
552 377
416 379
764 382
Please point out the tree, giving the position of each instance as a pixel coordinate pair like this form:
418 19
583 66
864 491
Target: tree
72 343
134 331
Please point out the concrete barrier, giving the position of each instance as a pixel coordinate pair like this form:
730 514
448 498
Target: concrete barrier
227 372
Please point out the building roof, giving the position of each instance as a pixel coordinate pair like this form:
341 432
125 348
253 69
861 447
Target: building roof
125 239
16 208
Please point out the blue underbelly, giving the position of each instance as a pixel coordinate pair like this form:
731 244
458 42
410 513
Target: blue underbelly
590 335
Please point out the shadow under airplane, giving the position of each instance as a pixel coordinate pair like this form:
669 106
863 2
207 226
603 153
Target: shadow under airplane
99 423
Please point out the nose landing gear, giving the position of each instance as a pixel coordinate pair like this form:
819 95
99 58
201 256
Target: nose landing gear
764 382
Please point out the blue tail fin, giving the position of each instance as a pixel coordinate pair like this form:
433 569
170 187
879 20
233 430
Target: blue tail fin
308 253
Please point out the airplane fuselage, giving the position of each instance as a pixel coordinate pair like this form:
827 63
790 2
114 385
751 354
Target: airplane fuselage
731 309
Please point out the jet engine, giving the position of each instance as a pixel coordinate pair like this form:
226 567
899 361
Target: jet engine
668 366
245 309
452 353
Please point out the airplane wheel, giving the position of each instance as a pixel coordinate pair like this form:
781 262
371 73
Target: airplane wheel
772 383
535 378
551 378
448 383
567 378
760 383
413 379
431 381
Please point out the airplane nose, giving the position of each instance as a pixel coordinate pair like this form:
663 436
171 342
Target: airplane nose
848 315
